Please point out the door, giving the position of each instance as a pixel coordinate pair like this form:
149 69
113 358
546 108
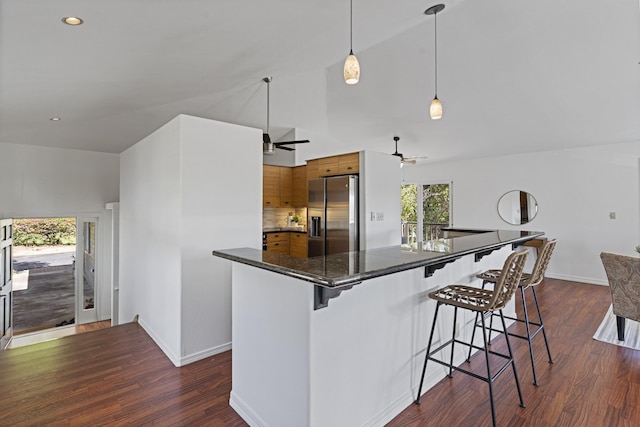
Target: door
87 248
6 286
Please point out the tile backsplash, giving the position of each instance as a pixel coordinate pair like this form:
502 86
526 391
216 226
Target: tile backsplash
277 217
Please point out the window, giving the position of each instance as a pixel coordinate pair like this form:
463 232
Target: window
424 212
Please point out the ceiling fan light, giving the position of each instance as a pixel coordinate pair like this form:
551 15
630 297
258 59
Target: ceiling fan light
268 148
351 69
436 109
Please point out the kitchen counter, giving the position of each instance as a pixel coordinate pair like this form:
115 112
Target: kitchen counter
346 269
301 361
296 229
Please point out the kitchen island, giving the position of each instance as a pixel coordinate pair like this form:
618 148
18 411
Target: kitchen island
340 339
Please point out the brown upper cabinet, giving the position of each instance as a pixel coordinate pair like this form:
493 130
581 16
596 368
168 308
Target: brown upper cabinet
286 187
300 187
271 186
343 164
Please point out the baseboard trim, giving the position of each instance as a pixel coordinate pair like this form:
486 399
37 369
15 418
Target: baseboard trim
588 280
245 412
160 343
185 360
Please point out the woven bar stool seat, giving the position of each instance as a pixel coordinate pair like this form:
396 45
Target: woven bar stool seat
484 302
527 281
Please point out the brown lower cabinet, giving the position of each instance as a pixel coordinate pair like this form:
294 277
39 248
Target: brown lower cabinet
291 243
278 242
298 244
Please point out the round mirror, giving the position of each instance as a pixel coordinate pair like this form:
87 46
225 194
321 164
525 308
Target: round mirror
517 207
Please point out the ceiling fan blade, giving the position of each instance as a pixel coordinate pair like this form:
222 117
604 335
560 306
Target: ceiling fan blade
409 161
304 141
285 148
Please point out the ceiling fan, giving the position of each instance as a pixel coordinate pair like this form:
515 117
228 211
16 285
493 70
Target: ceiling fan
403 159
269 147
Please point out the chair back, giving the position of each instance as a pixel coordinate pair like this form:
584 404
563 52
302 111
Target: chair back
542 261
623 273
508 281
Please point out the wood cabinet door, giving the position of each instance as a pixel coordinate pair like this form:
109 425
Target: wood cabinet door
328 166
286 187
312 169
271 186
300 187
349 163
278 242
298 245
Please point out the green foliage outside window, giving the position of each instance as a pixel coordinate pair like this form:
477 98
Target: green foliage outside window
436 203
44 231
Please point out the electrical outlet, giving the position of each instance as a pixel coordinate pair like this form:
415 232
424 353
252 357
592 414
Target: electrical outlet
612 215
380 216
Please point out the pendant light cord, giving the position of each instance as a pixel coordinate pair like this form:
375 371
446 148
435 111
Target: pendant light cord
435 29
351 28
268 84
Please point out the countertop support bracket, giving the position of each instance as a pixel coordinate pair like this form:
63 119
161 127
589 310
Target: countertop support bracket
430 269
479 255
322 295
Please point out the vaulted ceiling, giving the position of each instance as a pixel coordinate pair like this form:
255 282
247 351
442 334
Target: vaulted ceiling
513 76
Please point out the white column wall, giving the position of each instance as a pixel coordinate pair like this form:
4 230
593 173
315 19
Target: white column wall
380 182
150 233
576 190
193 186
221 197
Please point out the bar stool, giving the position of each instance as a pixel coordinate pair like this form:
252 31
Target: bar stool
484 302
528 281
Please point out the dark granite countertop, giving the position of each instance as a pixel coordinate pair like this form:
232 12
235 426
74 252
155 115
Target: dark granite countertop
349 268
292 229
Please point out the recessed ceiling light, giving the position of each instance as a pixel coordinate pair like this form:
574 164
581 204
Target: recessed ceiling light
55 119
72 20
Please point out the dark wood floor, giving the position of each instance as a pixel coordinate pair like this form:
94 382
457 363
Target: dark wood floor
118 376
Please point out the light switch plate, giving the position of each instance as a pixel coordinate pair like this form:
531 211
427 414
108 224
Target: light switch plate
373 216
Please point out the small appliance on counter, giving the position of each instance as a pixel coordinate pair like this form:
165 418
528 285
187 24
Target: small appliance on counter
332 215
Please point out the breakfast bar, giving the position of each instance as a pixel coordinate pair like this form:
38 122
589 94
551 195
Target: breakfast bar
339 339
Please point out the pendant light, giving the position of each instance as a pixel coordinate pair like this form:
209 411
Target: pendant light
351 64
436 106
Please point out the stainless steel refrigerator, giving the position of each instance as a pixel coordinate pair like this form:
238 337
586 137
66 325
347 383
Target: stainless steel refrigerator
333 215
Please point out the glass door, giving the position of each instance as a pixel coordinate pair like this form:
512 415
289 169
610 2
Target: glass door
86 269
6 287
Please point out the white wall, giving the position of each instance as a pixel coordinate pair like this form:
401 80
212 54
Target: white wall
192 186
55 182
221 208
150 269
380 182
576 190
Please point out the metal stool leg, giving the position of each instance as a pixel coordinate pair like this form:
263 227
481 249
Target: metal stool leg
513 363
489 377
544 334
453 339
526 324
473 335
475 325
426 356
